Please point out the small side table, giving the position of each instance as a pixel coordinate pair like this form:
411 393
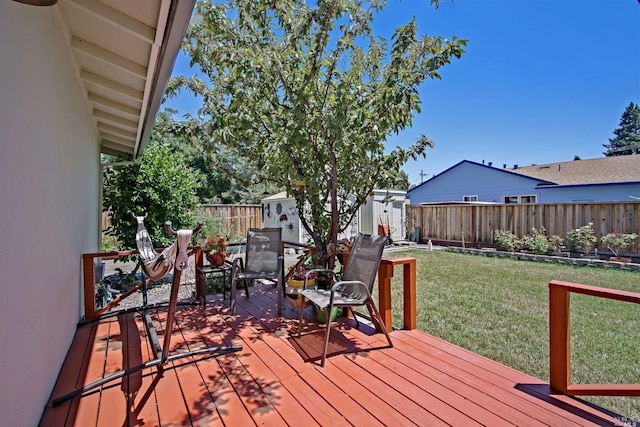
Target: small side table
223 272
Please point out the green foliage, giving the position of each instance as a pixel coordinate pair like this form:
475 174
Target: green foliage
582 239
218 185
212 225
161 186
627 134
618 241
537 241
556 243
507 240
306 92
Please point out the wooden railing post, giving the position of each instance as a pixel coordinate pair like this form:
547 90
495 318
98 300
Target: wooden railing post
385 273
89 286
410 295
559 338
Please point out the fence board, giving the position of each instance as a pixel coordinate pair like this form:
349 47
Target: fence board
237 218
478 222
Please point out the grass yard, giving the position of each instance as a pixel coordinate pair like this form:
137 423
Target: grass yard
498 308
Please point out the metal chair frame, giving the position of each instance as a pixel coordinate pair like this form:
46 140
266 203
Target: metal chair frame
355 287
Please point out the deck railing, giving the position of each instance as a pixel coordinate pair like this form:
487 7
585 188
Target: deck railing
385 274
560 339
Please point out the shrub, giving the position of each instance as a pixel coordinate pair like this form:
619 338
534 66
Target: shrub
556 243
507 240
537 241
162 186
582 239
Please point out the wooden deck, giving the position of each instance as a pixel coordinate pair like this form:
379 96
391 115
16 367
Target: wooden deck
273 381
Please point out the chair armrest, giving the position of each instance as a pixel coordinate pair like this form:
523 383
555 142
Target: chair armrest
351 289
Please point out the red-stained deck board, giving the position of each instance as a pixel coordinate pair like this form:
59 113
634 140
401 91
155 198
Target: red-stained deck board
72 375
275 379
501 377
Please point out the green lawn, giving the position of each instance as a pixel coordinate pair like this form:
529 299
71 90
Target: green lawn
498 308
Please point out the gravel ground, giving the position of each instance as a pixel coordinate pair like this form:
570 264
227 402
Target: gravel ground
160 293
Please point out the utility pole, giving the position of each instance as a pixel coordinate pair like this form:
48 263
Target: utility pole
422 175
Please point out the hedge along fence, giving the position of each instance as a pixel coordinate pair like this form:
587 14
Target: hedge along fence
237 218
475 223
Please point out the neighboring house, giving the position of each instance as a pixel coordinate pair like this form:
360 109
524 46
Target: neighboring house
388 206
606 179
77 79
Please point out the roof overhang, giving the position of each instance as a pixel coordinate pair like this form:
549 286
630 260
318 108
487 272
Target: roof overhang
123 52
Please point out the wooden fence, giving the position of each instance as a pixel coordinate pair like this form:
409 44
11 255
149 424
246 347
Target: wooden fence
237 218
475 224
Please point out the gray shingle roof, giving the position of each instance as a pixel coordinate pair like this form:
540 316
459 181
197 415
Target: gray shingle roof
604 170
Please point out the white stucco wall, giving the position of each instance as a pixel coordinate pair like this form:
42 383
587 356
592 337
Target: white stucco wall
49 165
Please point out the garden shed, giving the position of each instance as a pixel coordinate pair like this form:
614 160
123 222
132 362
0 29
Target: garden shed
382 207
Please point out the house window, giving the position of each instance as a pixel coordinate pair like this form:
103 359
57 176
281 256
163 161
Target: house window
469 198
528 199
520 199
511 199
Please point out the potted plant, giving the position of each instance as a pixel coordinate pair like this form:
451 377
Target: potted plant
616 242
295 282
215 249
581 239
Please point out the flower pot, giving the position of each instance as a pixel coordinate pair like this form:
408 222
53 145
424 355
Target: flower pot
321 315
293 287
619 259
216 259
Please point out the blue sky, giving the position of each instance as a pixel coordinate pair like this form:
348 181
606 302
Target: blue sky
542 80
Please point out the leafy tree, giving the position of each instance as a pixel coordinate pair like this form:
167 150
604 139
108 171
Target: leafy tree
627 135
398 181
162 186
218 186
308 94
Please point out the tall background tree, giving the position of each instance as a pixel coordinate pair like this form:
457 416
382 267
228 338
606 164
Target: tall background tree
219 186
627 134
307 94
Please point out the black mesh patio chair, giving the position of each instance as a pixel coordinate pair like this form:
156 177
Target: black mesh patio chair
355 287
263 261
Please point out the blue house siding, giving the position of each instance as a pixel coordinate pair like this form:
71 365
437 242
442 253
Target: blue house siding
591 193
492 185
467 178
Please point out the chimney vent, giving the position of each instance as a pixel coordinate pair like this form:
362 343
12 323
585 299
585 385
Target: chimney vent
559 168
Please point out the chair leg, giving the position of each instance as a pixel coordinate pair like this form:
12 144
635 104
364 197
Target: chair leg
326 338
301 318
232 294
374 309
